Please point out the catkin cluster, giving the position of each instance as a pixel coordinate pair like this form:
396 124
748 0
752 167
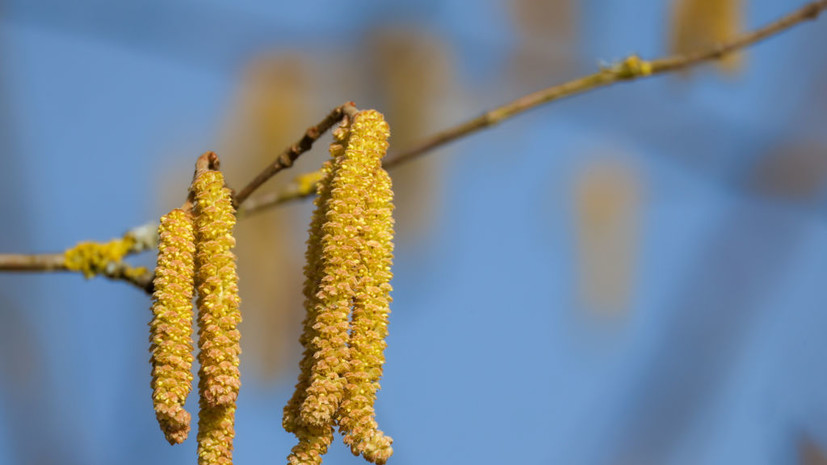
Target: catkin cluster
347 297
195 252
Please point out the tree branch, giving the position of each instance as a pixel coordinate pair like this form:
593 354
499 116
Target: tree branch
54 262
136 240
630 69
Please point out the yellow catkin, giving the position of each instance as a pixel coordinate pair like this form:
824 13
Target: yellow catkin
335 277
217 281
371 304
700 24
218 318
216 430
171 325
347 297
313 277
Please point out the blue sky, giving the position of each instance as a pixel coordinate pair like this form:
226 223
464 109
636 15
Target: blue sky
492 357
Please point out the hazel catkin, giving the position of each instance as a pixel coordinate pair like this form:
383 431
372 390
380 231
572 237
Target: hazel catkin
371 302
335 284
218 317
347 297
313 277
171 325
217 282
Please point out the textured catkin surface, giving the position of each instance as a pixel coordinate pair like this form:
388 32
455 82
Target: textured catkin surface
371 303
369 328
313 440
216 431
347 297
329 308
217 281
313 276
218 318
171 325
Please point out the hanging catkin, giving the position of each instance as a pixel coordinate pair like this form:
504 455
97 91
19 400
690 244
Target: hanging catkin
171 325
218 318
314 440
371 304
337 281
313 278
346 298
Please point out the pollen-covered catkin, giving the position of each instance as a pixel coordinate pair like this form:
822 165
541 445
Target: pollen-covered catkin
313 277
371 304
217 282
171 325
347 297
330 306
216 430
218 318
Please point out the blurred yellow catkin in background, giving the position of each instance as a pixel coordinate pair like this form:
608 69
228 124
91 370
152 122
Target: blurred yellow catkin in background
700 24
607 197
545 51
271 110
412 73
219 340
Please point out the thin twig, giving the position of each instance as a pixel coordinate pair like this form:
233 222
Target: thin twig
629 69
290 154
36 262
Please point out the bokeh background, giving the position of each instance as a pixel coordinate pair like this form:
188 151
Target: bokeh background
634 276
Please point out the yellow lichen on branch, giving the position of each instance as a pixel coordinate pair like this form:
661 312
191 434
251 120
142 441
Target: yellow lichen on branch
95 258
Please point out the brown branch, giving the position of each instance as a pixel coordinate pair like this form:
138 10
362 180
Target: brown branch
630 69
38 262
290 154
